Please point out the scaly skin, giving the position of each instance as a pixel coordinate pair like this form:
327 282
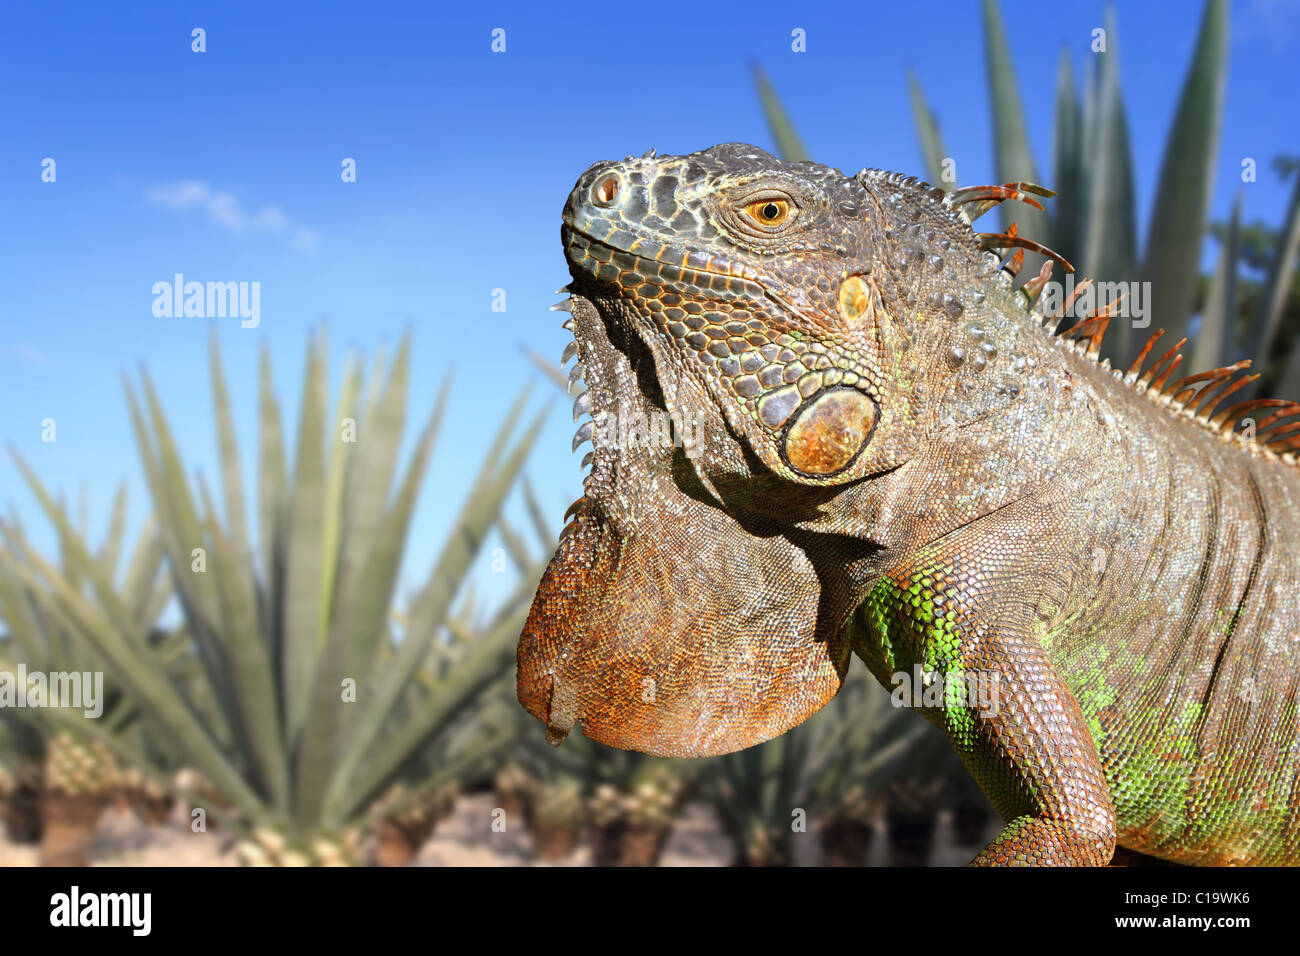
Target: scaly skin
897 459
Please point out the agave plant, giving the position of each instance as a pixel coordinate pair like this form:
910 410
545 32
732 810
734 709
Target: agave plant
318 707
799 782
632 800
79 775
557 817
21 780
406 814
1093 222
881 743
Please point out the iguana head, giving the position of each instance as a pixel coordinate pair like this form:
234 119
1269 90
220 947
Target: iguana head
811 327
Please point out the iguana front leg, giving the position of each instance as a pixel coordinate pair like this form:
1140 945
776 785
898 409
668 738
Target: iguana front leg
961 609
1034 757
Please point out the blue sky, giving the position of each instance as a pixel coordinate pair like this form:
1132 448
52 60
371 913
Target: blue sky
225 165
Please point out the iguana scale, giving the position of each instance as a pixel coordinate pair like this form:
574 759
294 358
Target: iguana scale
900 456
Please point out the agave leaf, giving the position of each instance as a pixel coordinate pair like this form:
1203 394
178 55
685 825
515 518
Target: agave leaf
136 673
245 651
1269 317
1013 158
318 745
341 455
78 556
514 546
177 516
927 130
38 640
358 627
161 595
788 145
111 550
1110 239
371 479
1067 166
371 595
143 580
74 574
83 523
1289 382
483 664
1177 229
179 525
271 484
432 605
257 726
17 611
507 426
1213 344
305 540
175 494
232 483
541 527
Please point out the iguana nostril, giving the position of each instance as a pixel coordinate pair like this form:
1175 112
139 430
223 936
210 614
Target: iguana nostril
605 191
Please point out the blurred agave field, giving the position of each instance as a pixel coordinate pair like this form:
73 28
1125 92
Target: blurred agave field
272 699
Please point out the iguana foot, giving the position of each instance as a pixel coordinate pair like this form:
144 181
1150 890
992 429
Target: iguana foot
1041 841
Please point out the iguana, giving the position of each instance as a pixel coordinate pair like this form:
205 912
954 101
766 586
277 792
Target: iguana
899 455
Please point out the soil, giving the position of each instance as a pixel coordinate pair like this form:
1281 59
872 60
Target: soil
465 838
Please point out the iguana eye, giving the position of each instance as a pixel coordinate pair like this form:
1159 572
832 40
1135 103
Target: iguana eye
769 212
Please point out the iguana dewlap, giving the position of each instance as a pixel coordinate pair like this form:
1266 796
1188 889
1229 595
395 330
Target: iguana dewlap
896 455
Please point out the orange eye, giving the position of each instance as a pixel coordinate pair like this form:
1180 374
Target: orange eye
769 212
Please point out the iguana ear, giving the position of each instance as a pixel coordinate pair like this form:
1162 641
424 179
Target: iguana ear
692 637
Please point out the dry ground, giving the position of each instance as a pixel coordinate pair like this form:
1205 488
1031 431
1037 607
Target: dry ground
463 839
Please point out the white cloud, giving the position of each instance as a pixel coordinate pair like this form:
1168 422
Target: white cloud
27 354
224 209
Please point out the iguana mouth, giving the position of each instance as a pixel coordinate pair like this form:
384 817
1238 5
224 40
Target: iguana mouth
681 269
668 265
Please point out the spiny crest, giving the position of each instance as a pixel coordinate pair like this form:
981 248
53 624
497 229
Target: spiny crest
1198 396
921 199
1194 396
